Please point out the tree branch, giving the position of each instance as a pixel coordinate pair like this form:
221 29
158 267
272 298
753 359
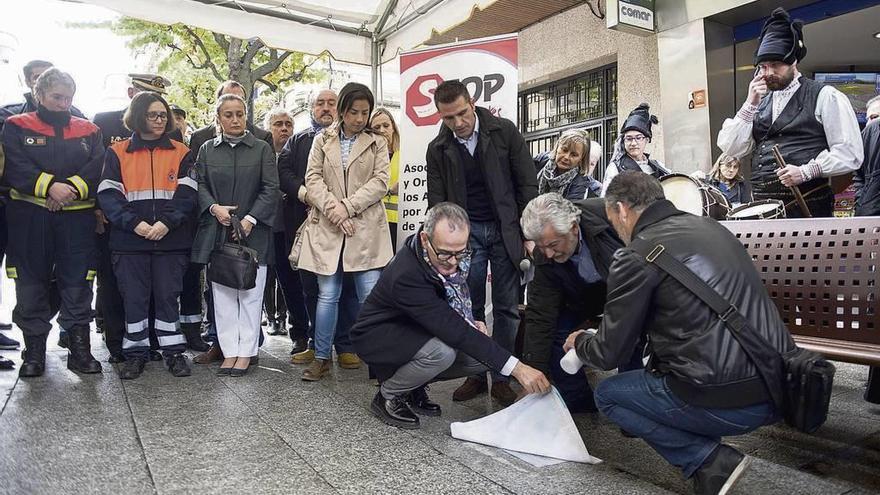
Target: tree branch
221 41
274 62
253 46
298 75
208 64
272 86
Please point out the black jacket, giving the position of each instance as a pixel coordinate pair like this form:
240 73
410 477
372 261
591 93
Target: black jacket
292 163
557 287
508 169
408 307
703 363
867 177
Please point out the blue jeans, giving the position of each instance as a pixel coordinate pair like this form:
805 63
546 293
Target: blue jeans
327 313
348 306
488 247
643 405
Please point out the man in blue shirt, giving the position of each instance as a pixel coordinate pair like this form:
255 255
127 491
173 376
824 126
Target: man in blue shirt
574 246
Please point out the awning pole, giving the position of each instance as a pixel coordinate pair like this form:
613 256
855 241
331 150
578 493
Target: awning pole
374 69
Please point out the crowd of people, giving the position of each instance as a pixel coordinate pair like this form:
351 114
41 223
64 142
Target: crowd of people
135 201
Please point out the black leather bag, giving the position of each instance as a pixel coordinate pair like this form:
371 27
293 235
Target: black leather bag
233 264
799 381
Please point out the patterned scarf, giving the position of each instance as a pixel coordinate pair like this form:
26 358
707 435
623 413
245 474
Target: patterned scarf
458 294
548 181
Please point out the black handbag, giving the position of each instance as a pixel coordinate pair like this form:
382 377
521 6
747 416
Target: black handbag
799 381
233 264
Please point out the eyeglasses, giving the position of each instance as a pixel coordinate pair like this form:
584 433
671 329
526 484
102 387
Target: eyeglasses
154 116
634 139
445 256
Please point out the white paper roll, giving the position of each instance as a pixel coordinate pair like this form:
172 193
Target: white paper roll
571 363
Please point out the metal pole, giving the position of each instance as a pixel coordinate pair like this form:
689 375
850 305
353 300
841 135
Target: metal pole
374 68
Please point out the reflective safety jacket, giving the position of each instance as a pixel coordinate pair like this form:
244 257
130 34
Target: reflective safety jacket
39 155
149 181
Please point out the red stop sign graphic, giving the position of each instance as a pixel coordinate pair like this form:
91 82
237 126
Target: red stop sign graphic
420 100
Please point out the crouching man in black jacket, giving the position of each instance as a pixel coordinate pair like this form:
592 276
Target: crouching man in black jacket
417 325
699 384
574 246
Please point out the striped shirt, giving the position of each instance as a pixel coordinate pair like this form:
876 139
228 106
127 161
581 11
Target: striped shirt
346 143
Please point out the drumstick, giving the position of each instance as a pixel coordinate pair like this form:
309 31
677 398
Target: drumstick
794 189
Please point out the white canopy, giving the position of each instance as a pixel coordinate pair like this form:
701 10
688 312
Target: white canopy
367 32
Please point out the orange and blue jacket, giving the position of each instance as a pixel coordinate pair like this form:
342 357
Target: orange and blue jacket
39 154
149 181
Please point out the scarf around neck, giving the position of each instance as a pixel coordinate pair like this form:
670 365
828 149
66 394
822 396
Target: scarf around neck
548 181
458 295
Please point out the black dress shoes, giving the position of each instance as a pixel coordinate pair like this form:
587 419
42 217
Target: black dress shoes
422 404
394 412
720 471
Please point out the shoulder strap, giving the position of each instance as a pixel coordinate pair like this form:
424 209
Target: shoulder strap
766 359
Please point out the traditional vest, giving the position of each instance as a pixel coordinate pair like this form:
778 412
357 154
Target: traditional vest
800 138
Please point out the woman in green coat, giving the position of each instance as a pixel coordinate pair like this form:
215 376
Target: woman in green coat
237 176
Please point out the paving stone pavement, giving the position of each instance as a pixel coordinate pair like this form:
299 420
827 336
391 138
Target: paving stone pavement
270 432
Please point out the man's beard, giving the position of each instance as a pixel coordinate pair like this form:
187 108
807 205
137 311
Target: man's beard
776 83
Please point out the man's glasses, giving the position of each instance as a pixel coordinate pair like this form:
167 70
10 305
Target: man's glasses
633 139
154 116
445 256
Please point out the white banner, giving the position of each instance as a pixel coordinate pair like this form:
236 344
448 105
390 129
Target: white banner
487 66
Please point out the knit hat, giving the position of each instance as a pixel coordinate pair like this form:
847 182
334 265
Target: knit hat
781 40
640 120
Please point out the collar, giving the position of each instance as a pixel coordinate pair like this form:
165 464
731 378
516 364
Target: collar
657 211
475 134
248 139
138 143
486 123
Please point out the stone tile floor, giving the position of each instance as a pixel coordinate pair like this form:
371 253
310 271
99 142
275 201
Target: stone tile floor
269 432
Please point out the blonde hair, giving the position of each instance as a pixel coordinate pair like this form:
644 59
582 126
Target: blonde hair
395 136
571 137
715 173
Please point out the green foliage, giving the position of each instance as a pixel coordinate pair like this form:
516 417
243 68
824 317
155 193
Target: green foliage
196 60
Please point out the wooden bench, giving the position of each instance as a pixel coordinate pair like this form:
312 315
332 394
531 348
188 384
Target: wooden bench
822 273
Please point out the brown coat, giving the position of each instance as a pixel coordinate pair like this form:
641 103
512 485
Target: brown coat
361 189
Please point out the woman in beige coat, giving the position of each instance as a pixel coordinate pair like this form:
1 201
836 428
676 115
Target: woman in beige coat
346 230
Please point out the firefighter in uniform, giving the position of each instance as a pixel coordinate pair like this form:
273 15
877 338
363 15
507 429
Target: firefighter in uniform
148 195
109 301
53 162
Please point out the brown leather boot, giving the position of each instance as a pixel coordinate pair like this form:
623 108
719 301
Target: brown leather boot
316 370
471 388
502 392
214 354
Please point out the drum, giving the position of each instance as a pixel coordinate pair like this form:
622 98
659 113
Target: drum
767 209
690 195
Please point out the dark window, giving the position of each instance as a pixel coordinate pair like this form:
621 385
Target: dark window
587 100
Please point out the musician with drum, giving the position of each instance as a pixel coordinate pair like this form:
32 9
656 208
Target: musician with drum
629 149
813 126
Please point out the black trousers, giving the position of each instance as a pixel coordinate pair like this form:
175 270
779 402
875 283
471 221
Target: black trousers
191 294
292 288
46 245
145 276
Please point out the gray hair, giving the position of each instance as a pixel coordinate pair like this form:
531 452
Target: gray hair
272 113
595 152
875 99
52 77
454 215
635 189
313 96
548 209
